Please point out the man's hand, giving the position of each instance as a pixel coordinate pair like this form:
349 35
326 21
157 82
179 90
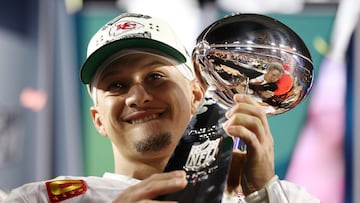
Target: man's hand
152 187
267 94
255 167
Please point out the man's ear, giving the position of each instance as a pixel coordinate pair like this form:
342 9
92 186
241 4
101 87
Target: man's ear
198 93
96 118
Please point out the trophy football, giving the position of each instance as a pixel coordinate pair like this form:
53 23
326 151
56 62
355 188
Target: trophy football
242 53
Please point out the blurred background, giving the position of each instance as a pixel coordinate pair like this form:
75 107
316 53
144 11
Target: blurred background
45 125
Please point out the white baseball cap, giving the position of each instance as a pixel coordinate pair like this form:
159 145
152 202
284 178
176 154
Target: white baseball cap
129 31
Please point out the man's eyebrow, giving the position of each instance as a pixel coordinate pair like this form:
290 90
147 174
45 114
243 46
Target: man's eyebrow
111 72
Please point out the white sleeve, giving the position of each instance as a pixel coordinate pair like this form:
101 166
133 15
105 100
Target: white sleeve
28 193
281 191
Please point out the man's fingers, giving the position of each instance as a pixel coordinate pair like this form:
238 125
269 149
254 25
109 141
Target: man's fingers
160 184
154 186
247 106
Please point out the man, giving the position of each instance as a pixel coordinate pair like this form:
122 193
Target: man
142 83
265 84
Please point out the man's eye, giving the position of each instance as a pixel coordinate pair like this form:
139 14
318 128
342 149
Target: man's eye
116 86
155 76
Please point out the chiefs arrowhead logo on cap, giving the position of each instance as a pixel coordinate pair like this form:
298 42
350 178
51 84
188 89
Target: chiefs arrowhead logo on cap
123 26
59 190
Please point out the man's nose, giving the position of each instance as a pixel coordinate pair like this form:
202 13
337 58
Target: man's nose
137 96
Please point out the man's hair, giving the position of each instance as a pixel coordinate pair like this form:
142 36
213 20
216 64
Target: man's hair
276 66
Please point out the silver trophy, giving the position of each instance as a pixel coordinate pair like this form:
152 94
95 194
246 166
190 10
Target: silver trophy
254 55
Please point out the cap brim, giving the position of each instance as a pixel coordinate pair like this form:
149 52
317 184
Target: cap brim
99 56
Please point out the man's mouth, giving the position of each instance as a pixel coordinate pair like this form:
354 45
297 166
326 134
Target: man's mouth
143 116
144 119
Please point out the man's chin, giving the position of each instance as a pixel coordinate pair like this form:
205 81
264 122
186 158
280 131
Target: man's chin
154 143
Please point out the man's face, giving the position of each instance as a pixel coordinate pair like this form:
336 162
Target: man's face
143 105
272 75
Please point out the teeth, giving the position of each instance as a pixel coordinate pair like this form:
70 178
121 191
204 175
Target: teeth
144 119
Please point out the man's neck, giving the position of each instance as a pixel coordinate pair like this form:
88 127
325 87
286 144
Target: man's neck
139 169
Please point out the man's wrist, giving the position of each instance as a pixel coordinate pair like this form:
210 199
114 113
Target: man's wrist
249 187
262 194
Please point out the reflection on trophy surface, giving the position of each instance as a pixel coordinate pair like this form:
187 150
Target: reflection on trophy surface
254 55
